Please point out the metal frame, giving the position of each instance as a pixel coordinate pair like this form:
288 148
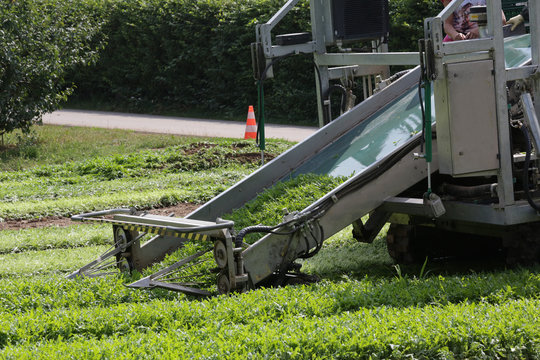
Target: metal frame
267 255
273 172
490 48
329 66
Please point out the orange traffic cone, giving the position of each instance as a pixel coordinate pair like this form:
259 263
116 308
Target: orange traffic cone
251 125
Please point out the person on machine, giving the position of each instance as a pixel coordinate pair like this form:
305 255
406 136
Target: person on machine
457 26
518 19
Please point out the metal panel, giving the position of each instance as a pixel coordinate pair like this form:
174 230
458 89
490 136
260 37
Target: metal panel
360 19
396 58
473 119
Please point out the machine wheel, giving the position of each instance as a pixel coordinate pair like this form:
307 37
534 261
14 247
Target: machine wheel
220 254
523 245
401 244
123 260
412 243
223 284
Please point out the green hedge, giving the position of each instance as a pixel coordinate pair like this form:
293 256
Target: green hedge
40 40
181 55
177 55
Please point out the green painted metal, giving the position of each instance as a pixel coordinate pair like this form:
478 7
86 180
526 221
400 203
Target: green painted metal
429 136
261 141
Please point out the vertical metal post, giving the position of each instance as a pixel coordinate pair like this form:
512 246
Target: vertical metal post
506 186
427 112
319 21
322 84
534 23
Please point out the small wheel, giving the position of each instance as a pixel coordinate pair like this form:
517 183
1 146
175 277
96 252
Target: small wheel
398 241
220 254
523 245
223 284
121 238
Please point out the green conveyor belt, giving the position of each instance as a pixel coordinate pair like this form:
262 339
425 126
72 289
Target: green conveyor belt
385 131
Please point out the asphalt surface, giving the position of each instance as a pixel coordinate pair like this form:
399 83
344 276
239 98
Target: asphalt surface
171 125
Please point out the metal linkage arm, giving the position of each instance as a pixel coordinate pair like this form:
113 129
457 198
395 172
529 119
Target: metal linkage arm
263 31
95 214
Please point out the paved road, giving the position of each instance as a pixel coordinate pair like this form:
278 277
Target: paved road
171 125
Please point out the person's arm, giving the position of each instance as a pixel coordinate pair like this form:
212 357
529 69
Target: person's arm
518 19
450 31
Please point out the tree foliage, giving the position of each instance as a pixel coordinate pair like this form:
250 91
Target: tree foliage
407 22
177 55
39 41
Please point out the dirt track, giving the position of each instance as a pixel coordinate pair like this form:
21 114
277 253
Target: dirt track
178 210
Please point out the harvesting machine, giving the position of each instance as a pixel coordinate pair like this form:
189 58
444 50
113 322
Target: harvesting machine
447 152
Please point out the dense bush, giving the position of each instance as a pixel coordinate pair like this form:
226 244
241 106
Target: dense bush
39 41
407 22
173 55
178 55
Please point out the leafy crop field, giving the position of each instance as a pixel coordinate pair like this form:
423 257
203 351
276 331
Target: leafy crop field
364 307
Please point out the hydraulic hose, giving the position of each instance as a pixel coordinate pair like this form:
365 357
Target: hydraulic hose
343 94
239 239
525 180
469 191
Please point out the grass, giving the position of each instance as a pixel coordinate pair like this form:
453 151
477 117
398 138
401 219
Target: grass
342 256
145 171
362 309
56 260
50 145
56 145
318 321
15 241
137 193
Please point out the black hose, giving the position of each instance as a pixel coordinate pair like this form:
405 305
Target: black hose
308 254
326 115
421 48
343 94
525 180
423 138
397 75
239 239
468 191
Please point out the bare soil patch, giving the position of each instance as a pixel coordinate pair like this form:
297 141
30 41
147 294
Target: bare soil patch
196 147
178 210
249 158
